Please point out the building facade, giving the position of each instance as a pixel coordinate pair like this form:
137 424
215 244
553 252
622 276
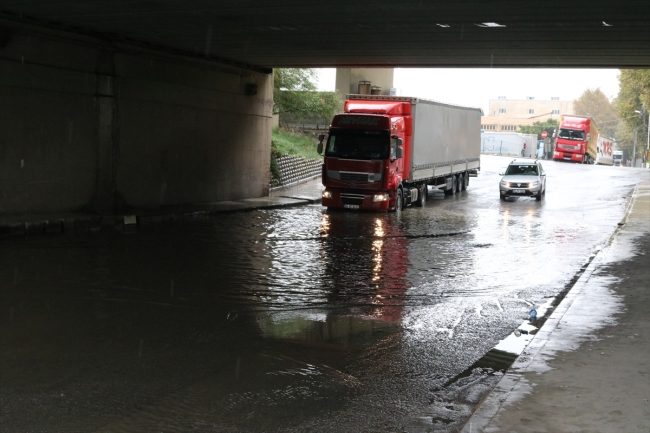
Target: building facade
507 115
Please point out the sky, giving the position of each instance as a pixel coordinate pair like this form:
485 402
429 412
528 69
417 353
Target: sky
475 87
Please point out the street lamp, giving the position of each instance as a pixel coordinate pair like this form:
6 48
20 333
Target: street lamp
642 113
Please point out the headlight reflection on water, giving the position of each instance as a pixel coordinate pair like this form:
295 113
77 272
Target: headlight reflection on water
377 246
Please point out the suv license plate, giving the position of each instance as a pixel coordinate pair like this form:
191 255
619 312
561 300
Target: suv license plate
518 191
351 206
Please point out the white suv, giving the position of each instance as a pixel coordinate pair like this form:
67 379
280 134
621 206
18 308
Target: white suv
523 179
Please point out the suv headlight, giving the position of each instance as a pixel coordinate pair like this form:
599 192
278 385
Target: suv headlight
504 183
534 183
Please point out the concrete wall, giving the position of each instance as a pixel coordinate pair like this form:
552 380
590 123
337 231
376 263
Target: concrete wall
87 126
511 144
347 79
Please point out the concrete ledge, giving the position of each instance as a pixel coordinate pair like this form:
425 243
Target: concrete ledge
22 225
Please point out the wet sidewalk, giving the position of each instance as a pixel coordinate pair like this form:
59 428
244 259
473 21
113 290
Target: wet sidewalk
19 225
588 367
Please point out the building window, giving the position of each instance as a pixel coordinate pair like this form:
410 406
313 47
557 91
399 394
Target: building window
531 111
489 127
502 97
502 110
555 112
508 128
555 98
530 97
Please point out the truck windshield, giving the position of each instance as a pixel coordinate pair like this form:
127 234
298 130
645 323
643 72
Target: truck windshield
571 134
358 144
618 156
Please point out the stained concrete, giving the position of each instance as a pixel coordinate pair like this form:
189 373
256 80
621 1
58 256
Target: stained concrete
92 126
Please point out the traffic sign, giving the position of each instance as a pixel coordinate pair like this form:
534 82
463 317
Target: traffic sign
544 134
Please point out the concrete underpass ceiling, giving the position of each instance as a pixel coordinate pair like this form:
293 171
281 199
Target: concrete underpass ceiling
331 33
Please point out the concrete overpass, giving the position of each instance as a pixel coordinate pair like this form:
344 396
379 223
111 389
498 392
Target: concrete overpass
110 105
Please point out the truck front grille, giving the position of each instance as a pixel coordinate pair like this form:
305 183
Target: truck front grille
568 147
355 177
348 198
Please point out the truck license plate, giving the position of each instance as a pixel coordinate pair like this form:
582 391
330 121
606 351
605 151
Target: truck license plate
518 191
351 206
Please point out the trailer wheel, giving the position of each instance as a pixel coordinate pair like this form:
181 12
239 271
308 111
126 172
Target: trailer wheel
466 183
422 195
460 183
454 186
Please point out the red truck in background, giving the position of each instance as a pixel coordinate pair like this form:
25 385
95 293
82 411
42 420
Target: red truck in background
576 140
384 152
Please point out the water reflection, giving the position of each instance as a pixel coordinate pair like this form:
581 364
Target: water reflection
365 257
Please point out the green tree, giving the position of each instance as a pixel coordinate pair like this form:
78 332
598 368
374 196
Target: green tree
548 125
634 91
294 92
595 104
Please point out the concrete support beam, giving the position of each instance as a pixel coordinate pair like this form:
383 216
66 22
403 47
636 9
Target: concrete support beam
92 126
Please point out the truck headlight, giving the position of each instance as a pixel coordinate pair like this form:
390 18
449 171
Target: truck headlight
327 194
578 156
380 197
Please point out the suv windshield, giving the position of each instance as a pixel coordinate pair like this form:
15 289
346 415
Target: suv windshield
571 134
358 144
521 170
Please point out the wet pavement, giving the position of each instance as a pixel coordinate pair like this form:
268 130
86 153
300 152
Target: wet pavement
587 369
292 319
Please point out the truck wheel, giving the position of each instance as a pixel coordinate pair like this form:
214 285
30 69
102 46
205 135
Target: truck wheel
399 200
454 186
422 197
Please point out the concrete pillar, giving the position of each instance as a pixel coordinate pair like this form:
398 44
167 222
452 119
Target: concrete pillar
106 125
89 126
347 79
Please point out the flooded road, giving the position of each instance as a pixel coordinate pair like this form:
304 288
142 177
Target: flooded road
291 320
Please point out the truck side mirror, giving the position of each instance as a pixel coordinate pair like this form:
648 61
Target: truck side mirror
396 150
400 151
319 148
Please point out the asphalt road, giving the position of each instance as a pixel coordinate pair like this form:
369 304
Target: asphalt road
292 320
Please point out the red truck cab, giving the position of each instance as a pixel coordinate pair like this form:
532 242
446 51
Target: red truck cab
575 140
365 155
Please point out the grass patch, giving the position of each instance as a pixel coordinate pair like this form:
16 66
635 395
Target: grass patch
294 143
